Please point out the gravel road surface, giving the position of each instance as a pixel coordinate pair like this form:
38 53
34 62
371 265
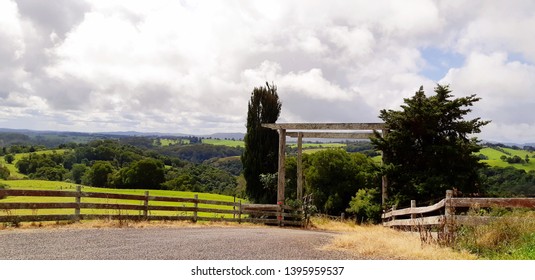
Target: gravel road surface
166 244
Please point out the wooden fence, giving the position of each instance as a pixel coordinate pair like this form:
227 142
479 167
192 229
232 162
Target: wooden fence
450 211
143 207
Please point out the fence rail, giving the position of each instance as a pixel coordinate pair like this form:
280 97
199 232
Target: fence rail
175 208
444 212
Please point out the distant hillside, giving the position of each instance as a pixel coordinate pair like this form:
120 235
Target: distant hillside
505 156
52 139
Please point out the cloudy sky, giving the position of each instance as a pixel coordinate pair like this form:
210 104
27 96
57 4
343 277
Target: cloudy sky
190 66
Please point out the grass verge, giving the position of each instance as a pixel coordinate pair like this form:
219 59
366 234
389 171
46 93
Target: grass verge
510 236
378 242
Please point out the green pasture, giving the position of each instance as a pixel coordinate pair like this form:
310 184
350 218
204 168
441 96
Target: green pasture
14 172
21 155
49 185
228 143
168 142
494 158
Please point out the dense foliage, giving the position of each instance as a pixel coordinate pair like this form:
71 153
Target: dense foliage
261 144
509 181
333 176
428 148
199 153
112 163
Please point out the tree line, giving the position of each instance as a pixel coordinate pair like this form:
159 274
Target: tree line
109 163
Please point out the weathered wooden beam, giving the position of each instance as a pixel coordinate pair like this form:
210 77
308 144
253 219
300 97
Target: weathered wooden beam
282 167
37 193
335 135
325 126
416 210
425 221
494 202
299 166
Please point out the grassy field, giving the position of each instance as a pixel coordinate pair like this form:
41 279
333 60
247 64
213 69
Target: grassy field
167 142
494 158
229 143
49 185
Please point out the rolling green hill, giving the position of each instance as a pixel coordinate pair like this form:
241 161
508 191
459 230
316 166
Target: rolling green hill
494 158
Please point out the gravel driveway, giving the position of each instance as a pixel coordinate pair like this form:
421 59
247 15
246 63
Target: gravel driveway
167 244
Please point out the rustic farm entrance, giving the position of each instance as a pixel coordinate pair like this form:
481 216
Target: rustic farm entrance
318 130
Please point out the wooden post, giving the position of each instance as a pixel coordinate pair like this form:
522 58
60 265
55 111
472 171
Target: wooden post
282 166
393 209
78 202
239 213
146 205
280 215
384 186
413 216
448 212
300 166
384 179
234 208
196 205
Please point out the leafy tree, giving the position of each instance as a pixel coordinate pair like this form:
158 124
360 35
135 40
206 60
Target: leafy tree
4 172
199 153
77 172
30 164
146 173
99 174
366 205
428 148
201 178
335 175
9 158
56 173
261 144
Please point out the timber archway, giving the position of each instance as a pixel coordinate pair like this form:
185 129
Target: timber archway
318 130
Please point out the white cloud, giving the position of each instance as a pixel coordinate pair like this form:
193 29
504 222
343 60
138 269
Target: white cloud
190 66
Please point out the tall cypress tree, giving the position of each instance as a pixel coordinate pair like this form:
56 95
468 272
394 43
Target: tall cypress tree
261 144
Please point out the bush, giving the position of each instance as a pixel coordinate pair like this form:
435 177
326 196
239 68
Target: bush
4 172
365 205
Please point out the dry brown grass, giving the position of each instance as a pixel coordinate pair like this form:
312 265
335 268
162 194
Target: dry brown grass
378 242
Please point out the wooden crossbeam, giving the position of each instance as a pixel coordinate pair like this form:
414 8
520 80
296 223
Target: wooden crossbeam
325 126
335 135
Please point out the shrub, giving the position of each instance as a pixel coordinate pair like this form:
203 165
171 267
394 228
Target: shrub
365 205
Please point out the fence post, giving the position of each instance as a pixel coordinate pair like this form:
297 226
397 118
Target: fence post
146 205
234 209
413 216
393 209
280 214
239 214
78 202
448 212
196 197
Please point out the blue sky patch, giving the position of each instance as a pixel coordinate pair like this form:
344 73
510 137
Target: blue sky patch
438 62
